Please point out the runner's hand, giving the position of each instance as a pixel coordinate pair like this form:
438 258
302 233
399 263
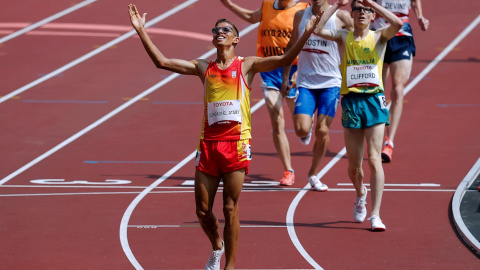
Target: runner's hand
424 23
285 89
314 20
342 3
367 3
137 21
293 80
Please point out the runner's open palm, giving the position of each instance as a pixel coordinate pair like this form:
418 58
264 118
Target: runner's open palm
367 3
135 18
342 3
314 20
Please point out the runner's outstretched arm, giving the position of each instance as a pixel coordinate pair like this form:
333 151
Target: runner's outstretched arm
194 67
332 34
273 62
251 16
286 70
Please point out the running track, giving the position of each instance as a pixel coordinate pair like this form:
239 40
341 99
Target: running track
96 169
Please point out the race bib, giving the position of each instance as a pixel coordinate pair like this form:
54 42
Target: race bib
397 6
383 102
362 75
247 151
225 110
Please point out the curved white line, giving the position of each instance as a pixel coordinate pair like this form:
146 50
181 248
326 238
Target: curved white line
134 203
46 20
456 202
293 205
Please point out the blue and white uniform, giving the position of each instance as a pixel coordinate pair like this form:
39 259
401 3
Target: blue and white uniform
319 77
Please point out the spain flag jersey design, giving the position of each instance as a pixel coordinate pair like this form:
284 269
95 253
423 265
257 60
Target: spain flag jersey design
275 29
226 104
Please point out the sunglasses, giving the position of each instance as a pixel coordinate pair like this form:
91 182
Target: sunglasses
225 29
364 9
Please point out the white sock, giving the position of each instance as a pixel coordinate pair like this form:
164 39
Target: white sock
389 142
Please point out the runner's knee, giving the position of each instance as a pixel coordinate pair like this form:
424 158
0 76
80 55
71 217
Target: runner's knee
230 209
355 172
203 213
322 133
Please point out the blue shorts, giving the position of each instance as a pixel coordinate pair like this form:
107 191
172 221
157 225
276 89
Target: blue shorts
326 100
364 110
400 47
273 79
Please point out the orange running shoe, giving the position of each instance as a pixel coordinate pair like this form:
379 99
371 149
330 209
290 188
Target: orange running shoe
288 179
387 152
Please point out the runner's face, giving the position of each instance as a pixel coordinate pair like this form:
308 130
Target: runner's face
362 15
223 34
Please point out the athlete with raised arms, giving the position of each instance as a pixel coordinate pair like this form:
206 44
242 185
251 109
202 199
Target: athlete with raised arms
364 111
224 149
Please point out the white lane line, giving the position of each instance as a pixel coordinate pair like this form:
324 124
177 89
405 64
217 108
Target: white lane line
468 237
397 185
128 213
198 225
190 190
46 20
442 54
112 113
94 52
293 206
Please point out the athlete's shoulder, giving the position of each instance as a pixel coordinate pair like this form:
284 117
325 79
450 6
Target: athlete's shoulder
303 4
249 58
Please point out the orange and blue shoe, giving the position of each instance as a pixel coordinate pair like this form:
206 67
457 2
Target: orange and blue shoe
387 153
288 179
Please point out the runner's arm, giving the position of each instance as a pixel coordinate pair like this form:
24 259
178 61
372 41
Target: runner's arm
344 20
194 67
417 8
294 38
251 16
394 22
330 34
273 62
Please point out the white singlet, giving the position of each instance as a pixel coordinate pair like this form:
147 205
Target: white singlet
401 8
319 60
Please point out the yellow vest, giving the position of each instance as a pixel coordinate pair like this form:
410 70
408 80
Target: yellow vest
361 66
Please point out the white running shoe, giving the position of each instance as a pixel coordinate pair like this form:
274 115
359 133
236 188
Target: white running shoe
306 140
214 260
377 224
359 209
317 184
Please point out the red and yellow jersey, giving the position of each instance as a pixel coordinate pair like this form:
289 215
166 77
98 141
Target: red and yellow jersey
226 104
275 29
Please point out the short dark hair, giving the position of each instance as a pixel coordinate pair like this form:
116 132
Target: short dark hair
235 30
355 1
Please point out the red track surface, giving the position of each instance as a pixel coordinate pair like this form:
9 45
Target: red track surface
77 225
